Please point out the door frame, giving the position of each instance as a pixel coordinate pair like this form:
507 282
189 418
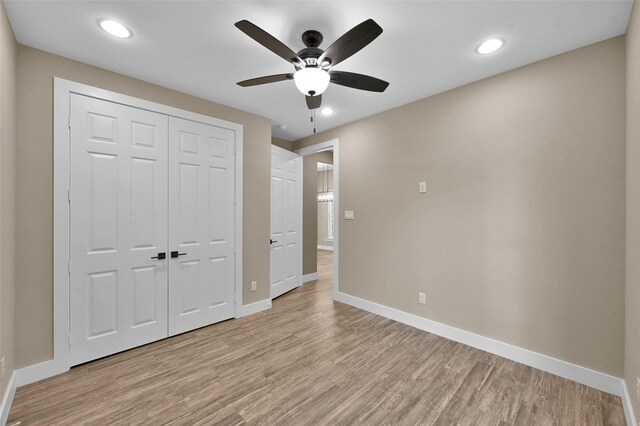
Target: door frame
62 90
333 144
299 171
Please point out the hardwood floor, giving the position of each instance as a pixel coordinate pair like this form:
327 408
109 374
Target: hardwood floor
310 360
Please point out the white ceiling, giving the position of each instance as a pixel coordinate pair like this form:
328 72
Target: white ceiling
427 46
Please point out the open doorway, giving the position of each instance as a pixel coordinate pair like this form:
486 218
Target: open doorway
319 212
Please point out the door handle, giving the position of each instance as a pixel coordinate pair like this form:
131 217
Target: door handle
272 241
160 256
175 254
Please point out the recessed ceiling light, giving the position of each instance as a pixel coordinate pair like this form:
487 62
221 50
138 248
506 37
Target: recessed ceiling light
326 111
490 46
114 28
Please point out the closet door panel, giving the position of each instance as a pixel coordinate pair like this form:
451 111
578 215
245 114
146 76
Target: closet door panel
118 205
201 224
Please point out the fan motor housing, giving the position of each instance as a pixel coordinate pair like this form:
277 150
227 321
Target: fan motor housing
310 55
312 39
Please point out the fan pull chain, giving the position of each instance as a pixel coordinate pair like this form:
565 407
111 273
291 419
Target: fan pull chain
313 120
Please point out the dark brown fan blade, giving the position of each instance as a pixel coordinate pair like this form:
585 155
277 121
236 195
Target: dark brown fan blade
268 41
358 81
266 79
314 102
351 42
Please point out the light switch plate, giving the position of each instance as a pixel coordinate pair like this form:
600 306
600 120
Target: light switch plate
254 285
423 187
348 215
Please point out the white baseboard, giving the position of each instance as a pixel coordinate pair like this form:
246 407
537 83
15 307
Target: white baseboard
41 371
628 407
330 248
7 400
253 308
586 376
310 277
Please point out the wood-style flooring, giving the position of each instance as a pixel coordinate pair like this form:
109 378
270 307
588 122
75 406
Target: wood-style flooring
310 361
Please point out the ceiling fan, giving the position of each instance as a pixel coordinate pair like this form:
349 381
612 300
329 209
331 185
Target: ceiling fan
313 66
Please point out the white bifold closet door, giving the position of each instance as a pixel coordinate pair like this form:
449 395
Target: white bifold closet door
144 186
201 224
119 223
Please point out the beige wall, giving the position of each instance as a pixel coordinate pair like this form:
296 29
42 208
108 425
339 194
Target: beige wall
36 70
288 145
632 350
310 209
8 95
521 235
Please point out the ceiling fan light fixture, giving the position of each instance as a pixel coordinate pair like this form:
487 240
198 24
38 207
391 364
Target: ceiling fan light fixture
311 81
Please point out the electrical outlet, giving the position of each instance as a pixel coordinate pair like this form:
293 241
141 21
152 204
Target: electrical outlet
349 215
422 187
422 298
254 285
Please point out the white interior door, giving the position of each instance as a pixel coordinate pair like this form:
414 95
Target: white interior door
286 213
118 204
201 225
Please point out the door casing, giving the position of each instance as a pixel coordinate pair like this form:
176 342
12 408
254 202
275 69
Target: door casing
333 144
